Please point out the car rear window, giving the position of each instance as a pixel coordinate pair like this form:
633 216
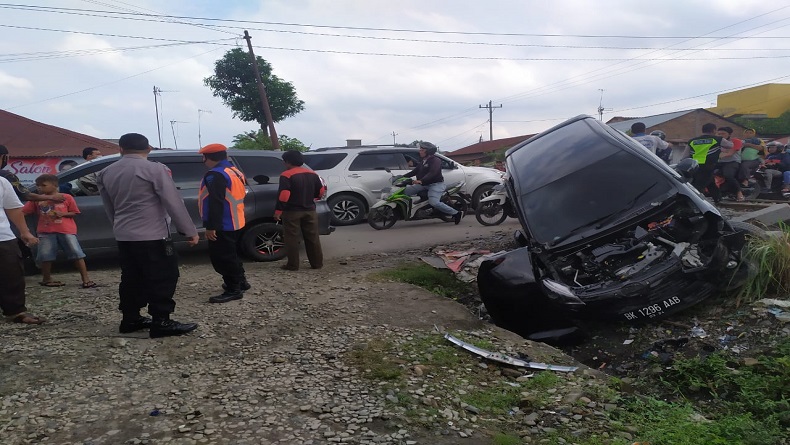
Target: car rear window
323 161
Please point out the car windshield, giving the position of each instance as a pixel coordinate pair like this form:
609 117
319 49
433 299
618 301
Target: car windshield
576 179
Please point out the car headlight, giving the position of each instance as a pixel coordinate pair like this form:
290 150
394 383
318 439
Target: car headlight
563 291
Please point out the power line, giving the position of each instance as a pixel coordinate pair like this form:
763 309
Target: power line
134 15
49 55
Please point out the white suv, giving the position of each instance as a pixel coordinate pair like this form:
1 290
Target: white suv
355 176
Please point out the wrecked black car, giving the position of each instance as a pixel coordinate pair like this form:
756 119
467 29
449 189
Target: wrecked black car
610 232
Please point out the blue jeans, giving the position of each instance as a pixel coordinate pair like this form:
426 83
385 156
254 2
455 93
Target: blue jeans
49 243
435 192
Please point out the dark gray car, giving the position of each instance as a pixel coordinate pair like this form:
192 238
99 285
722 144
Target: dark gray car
261 239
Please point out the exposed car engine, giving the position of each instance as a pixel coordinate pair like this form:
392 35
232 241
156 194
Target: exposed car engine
679 233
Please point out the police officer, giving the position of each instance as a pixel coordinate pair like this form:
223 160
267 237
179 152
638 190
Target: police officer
141 201
221 206
705 149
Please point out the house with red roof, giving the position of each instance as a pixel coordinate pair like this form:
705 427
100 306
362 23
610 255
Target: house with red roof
36 148
485 152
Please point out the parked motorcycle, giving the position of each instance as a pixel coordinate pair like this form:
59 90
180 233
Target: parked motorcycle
495 208
395 204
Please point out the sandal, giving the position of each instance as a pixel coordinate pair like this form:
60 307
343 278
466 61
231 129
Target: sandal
89 285
26 318
52 283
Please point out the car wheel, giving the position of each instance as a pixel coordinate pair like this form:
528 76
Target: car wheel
480 193
346 210
264 242
748 229
382 217
490 213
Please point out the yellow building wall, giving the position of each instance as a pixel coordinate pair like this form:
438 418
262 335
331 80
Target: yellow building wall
771 100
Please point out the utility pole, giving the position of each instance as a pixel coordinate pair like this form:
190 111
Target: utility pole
156 105
173 128
200 143
393 137
490 119
601 109
157 95
262 91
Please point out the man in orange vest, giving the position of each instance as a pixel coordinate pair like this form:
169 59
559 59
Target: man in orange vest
221 205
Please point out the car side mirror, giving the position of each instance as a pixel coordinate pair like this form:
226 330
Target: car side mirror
261 179
386 169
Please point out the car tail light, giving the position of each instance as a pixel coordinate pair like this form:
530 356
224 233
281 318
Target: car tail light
323 183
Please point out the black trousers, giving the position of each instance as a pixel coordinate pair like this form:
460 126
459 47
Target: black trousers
12 278
225 259
149 275
295 221
729 170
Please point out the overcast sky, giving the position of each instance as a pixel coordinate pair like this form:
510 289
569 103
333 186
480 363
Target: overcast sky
368 68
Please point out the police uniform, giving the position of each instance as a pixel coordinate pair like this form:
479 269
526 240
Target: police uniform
221 206
705 150
142 202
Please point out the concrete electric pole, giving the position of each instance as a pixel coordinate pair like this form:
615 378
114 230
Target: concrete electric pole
490 118
262 91
200 143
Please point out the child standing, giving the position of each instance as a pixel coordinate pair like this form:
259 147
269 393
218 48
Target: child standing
56 229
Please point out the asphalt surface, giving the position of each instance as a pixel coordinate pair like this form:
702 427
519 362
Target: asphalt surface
362 239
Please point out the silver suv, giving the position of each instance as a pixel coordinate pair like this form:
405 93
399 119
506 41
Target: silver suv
261 239
355 176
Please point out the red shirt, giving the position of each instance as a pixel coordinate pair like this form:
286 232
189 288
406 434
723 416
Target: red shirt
47 223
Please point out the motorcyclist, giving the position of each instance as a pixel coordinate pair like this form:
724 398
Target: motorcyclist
778 161
429 177
652 142
665 153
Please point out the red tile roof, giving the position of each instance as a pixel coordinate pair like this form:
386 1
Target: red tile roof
26 138
489 146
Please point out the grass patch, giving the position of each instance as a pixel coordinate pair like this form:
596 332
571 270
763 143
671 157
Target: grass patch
717 401
373 360
439 281
505 439
771 257
495 399
678 424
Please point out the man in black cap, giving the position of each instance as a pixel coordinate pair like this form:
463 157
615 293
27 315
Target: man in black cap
141 201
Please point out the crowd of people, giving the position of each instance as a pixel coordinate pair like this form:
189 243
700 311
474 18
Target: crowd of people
726 163
142 202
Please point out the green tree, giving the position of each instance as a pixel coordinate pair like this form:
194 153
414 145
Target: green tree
779 125
234 82
259 140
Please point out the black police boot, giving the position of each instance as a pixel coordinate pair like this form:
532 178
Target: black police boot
165 327
132 323
244 286
228 295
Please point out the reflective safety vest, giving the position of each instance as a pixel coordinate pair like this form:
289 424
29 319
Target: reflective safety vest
703 146
233 207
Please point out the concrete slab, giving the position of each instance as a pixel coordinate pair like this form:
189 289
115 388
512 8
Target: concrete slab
768 216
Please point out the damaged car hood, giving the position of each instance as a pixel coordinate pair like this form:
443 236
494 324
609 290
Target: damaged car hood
582 177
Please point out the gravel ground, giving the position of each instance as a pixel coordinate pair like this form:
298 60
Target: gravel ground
272 367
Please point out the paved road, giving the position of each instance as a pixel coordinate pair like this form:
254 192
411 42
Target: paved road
362 239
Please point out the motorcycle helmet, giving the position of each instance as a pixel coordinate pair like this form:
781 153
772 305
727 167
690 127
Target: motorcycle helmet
777 145
659 133
430 149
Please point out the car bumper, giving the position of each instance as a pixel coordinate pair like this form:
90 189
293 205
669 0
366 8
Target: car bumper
324 218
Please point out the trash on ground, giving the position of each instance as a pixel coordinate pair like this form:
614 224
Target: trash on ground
628 342
506 359
460 260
